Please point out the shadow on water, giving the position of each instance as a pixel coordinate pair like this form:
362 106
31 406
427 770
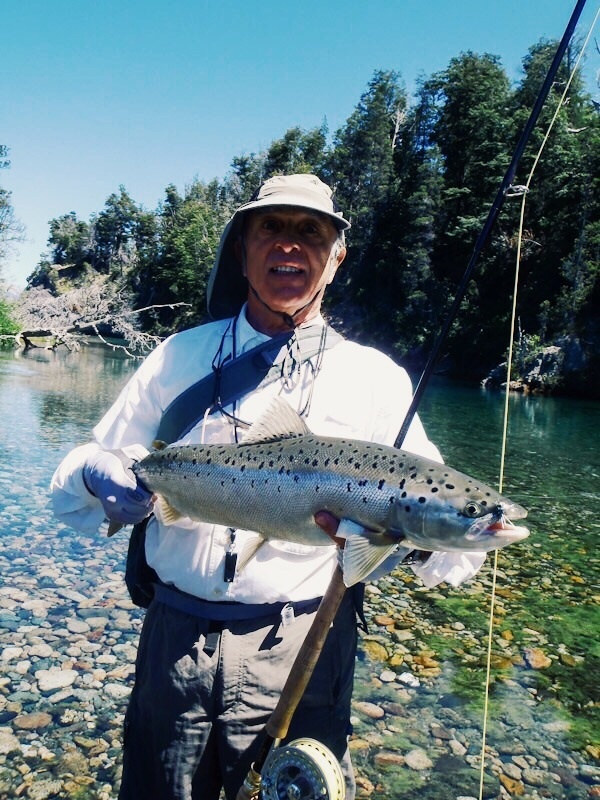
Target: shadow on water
63 605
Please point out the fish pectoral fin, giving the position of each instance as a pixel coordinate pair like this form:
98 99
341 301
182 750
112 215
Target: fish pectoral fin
165 512
361 555
248 552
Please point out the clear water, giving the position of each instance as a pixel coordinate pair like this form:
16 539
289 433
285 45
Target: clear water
548 584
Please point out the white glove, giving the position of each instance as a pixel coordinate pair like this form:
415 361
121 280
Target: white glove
123 499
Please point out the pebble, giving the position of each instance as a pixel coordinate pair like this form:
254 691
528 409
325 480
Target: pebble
418 760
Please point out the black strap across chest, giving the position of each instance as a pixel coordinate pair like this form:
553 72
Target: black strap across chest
239 376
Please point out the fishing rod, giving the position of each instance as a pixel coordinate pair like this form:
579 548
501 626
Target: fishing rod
304 768
505 186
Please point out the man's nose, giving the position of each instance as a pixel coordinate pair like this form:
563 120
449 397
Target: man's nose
287 241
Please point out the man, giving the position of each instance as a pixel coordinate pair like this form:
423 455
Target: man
213 656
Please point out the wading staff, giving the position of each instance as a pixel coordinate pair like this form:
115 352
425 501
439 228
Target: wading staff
491 218
302 668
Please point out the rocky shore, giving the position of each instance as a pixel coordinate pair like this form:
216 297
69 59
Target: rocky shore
68 636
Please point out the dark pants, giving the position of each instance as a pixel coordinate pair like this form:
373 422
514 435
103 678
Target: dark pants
201 700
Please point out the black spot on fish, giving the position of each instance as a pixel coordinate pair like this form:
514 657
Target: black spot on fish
402 483
327 462
194 461
316 488
422 499
242 468
449 486
296 478
403 495
407 508
362 483
315 462
357 467
429 481
365 500
434 490
349 487
381 484
413 477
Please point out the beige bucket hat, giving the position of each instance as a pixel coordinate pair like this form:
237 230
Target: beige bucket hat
227 288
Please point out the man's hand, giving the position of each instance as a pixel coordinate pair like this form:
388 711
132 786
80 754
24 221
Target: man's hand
123 499
329 524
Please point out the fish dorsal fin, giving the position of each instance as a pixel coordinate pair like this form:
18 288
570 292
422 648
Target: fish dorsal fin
278 421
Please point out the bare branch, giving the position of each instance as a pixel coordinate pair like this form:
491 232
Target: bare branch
100 308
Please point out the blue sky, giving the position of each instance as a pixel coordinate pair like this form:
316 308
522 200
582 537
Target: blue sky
99 93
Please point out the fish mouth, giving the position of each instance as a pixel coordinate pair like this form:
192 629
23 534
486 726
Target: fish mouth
497 529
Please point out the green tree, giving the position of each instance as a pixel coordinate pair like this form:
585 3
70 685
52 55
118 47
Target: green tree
469 109
119 232
362 159
189 229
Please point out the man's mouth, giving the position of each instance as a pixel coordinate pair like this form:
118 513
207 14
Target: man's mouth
283 269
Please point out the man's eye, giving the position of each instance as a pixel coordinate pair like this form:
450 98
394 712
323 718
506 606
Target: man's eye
310 229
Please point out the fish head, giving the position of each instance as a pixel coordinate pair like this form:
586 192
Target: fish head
446 510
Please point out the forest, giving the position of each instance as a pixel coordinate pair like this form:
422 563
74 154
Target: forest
416 176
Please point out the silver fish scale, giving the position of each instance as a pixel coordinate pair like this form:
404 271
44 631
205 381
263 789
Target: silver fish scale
275 488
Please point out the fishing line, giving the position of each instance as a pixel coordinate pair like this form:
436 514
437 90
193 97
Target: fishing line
523 191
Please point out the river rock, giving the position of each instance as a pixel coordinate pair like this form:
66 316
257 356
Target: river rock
32 722
512 786
370 710
418 760
386 758
375 651
49 680
8 742
535 658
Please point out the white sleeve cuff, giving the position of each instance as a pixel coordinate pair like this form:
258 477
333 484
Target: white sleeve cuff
454 568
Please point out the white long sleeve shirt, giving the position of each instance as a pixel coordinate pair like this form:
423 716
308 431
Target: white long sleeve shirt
358 393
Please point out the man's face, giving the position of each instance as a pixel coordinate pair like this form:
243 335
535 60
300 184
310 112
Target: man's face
288 258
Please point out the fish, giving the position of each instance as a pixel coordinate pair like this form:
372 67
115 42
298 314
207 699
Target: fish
281 475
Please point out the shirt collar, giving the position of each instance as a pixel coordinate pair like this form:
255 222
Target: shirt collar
248 337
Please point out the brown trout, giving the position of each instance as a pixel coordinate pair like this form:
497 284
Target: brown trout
281 475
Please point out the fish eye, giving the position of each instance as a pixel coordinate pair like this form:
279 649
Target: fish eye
472 509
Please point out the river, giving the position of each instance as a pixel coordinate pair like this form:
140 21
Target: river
68 632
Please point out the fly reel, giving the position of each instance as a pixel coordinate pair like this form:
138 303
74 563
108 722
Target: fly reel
302 770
